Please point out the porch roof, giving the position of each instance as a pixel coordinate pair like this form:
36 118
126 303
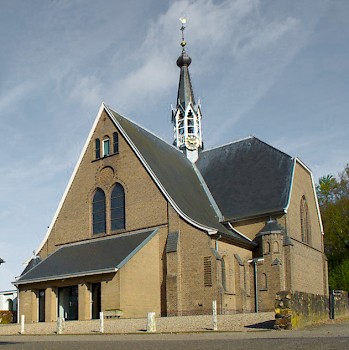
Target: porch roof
97 256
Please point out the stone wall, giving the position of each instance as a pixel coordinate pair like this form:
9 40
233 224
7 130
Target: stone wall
298 309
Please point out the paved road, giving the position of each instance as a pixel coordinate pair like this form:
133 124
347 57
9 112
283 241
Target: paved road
330 336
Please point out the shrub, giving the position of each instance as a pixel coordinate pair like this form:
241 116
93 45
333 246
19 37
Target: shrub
6 316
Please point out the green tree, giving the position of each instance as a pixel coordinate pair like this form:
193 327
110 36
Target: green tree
326 189
339 276
333 194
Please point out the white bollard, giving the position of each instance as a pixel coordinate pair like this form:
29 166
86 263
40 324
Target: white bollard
22 324
60 325
214 314
101 322
151 326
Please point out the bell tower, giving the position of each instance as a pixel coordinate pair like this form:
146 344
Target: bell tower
186 116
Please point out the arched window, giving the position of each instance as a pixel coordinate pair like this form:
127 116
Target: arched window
117 207
106 146
98 148
267 248
115 142
99 212
305 221
9 304
276 247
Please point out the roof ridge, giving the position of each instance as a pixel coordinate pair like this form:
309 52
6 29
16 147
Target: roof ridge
143 128
276 149
208 193
245 139
228 143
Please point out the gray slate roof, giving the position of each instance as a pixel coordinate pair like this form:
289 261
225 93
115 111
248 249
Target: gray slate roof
178 177
248 178
98 256
272 226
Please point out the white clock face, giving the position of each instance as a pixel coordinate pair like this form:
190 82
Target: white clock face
192 142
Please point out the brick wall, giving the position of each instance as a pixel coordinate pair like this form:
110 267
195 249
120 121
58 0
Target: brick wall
140 285
74 221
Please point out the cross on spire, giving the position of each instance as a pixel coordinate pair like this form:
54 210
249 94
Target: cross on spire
183 21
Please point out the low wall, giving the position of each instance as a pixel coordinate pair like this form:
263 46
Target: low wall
297 309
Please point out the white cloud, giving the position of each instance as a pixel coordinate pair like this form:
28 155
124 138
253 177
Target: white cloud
11 97
87 91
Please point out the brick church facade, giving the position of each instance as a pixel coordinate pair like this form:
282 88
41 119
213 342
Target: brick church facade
147 226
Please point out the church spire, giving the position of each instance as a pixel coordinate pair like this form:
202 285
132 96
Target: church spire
186 117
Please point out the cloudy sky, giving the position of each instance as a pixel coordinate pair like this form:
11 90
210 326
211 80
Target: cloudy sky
276 69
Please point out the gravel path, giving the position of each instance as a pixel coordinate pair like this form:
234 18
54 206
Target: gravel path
237 322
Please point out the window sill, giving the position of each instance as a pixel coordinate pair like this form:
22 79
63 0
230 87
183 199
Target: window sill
229 293
110 233
110 155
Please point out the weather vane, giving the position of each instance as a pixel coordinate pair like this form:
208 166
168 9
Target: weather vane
183 21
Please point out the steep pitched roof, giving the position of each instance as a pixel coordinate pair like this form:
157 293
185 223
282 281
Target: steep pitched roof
247 178
105 255
177 177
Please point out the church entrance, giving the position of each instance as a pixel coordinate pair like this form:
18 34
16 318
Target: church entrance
68 302
96 300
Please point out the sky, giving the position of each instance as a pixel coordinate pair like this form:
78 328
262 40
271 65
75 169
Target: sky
275 69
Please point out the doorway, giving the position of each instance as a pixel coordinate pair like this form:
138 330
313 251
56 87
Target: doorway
96 300
68 303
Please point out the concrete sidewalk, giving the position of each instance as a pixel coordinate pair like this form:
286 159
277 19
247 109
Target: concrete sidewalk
237 322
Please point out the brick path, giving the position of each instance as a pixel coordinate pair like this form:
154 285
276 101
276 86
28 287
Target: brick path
237 322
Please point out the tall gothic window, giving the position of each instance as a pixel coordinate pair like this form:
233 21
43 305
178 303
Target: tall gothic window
98 148
115 142
305 221
117 208
99 212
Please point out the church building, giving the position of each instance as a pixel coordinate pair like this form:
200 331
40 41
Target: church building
147 226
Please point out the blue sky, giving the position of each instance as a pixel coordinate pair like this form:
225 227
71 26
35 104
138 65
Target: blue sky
278 70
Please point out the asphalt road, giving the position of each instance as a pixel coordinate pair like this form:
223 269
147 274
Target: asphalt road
330 336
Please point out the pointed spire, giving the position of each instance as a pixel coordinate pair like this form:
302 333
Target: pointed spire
185 89
186 117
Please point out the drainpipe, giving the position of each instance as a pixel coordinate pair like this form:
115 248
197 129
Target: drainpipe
254 262
216 242
221 292
17 304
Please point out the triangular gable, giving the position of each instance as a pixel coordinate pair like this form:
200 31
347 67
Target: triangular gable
295 161
190 202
